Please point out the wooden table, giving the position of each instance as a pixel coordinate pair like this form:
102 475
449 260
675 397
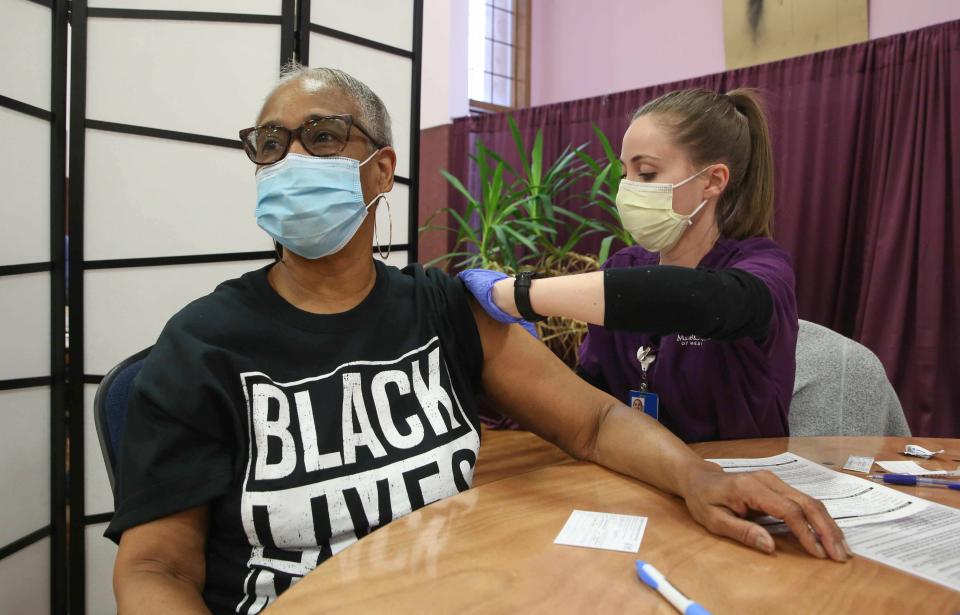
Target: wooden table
490 550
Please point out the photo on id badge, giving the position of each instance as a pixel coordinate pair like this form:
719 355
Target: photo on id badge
646 402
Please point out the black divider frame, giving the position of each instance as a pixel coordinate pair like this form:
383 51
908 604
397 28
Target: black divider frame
56 528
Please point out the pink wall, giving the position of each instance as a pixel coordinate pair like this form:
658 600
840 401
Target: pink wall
582 49
894 16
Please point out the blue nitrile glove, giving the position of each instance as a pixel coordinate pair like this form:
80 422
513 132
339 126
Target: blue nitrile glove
480 284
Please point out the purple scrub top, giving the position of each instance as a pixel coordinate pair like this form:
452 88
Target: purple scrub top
710 390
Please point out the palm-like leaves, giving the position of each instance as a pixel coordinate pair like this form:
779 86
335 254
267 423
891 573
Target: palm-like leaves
520 211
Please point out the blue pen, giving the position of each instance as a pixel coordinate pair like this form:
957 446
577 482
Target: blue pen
652 577
909 479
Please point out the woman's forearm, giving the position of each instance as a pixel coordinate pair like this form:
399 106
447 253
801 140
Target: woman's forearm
578 296
632 443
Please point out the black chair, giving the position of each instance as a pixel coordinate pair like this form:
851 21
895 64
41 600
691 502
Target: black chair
110 407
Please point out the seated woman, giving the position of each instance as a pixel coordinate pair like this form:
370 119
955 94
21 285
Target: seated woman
698 322
293 410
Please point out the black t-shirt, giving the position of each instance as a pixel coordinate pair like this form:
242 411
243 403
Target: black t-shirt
303 432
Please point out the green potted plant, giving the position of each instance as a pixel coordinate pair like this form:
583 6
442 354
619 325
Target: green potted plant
520 214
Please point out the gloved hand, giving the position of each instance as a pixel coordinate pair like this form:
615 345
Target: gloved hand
480 284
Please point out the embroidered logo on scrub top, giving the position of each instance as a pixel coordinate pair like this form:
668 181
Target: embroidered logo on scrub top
689 340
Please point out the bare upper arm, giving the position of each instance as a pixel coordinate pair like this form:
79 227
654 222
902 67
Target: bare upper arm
172 545
531 385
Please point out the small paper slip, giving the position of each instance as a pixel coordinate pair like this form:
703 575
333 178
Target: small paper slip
858 464
598 530
908 467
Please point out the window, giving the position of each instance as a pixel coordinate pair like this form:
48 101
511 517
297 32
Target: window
499 54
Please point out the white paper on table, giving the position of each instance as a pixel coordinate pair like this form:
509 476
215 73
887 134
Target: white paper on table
908 467
926 544
598 530
918 536
850 500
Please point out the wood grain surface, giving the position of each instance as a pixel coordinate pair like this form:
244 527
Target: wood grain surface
490 549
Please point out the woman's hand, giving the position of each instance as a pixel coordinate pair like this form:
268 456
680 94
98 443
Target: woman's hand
493 290
721 502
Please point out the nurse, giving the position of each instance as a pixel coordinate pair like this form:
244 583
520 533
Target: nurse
699 320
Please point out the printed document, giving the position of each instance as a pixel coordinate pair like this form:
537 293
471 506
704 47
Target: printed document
849 500
897 529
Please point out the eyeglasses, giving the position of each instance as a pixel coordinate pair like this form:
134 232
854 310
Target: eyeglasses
320 136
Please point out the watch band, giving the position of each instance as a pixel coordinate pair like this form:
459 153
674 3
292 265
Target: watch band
521 296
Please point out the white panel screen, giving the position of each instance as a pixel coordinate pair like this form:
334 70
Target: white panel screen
256 7
25 465
25 325
204 78
100 555
386 21
168 197
25 177
25 580
25 38
126 309
96 485
388 75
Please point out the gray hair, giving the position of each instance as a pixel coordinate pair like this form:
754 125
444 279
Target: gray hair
373 115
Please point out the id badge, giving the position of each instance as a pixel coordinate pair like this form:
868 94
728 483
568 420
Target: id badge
646 402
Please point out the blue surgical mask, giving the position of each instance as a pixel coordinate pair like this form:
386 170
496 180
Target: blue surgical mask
310 205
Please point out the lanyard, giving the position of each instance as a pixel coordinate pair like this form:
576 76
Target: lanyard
646 355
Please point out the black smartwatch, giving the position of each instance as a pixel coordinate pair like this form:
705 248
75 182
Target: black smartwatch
521 296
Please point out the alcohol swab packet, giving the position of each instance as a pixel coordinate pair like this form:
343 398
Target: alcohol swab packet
918 451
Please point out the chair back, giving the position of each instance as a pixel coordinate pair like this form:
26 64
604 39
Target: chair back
841 389
110 407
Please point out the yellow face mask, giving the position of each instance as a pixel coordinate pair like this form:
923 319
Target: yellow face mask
646 211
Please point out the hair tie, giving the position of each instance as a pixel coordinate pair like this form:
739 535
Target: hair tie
736 106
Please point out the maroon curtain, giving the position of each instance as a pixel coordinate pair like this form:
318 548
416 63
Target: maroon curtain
867 149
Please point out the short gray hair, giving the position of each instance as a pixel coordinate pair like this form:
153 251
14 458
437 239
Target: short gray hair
373 115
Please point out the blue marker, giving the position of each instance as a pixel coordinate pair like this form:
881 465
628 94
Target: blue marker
652 577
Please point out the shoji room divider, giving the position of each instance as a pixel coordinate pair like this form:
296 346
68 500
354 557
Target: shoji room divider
157 210
33 43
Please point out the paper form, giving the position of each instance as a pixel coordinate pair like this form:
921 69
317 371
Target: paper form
602 531
926 544
908 533
850 500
